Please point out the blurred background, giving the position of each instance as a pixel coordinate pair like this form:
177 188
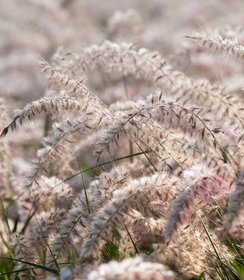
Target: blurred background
34 29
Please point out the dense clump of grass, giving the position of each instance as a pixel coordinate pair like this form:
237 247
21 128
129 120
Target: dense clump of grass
127 163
